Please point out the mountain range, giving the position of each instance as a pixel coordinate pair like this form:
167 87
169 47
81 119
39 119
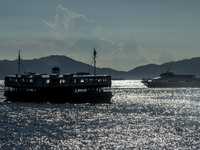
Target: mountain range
68 65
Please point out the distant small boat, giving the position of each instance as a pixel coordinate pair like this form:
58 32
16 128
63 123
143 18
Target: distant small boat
169 79
58 88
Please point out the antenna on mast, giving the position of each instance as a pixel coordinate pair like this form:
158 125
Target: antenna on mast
169 68
94 58
19 63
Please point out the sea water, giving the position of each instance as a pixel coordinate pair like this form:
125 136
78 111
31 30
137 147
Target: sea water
137 118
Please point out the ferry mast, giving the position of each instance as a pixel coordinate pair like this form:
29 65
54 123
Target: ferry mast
19 63
94 58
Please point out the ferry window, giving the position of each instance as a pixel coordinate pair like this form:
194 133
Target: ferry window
74 80
31 80
99 80
47 81
62 81
82 80
11 79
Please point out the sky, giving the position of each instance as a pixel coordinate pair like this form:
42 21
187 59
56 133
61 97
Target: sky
125 33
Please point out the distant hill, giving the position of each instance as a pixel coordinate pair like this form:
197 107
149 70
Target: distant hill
44 65
68 65
186 66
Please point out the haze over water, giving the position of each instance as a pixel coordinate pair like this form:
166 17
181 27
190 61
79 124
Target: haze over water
137 118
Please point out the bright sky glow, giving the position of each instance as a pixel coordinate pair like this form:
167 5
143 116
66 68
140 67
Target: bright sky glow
125 33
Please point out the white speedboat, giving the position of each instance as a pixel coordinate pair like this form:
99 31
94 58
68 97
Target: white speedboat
169 79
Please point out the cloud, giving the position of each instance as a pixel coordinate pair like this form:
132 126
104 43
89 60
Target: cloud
121 55
165 56
68 22
31 48
131 47
76 34
141 60
25 42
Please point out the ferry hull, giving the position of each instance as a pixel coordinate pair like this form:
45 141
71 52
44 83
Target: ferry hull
170 85
58 88
57 97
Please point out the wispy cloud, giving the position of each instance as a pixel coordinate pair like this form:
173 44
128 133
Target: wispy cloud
165 56
70 22
71 30
27 42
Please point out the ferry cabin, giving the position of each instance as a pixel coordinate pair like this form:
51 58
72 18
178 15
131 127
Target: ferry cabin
39 81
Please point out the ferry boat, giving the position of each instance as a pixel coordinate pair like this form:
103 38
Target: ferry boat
169 79
58 88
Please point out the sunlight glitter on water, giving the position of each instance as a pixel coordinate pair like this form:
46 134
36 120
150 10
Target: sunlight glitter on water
137 118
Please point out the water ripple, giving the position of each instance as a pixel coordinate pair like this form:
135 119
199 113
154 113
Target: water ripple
137 118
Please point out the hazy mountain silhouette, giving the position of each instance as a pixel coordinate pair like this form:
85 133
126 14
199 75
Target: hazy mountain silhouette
44 65
68 65
186 66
